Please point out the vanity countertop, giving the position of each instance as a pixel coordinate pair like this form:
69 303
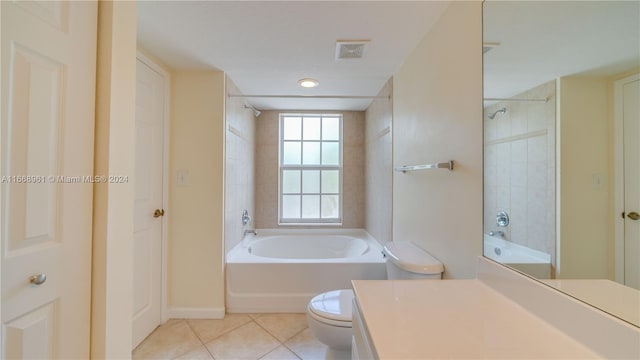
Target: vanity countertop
616 299
422 319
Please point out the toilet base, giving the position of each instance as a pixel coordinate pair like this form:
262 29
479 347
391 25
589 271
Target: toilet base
335 337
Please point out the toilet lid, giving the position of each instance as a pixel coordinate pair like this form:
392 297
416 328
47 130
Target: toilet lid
334 305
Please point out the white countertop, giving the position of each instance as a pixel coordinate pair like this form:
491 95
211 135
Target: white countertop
422 319
616 299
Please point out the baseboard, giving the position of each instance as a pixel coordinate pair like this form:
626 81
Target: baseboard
196 313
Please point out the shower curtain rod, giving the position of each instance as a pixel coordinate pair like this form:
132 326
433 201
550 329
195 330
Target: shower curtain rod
309 96
516 99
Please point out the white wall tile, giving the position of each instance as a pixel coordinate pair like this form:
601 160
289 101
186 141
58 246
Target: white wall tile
523 177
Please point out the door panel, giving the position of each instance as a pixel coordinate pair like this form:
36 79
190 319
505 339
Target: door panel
48 96
32 336
147 247
34 138
631 126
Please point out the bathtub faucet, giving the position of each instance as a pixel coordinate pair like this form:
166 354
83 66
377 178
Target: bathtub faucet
246 232
246 219
499 233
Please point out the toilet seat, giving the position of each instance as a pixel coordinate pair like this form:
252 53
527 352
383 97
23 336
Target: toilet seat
332 307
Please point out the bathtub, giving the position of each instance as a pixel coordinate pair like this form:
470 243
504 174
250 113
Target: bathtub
533 262
281 270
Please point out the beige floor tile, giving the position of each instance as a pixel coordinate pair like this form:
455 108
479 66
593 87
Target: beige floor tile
280 353
249 341
283 326
168 341
208 330
307 347
200 353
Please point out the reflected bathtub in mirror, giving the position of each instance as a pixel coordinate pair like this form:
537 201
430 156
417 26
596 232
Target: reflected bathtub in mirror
533 262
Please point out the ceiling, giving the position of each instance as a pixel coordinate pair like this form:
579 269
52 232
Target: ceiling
541 41
265 47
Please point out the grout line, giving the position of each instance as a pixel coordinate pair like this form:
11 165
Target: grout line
199 339
296 334
220 334
523 136
268 332
251 319
282 343
293 352
194 331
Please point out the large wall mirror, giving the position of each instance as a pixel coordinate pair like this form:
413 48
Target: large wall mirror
562 146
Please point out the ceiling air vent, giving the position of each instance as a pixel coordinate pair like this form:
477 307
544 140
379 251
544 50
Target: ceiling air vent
350 49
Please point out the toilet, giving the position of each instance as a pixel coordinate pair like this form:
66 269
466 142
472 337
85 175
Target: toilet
329 313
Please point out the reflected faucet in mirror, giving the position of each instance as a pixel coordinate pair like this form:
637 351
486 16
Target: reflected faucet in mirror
499 111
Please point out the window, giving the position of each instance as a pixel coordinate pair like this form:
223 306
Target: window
310 168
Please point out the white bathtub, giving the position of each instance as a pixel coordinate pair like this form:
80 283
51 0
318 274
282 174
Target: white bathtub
281 270
533 262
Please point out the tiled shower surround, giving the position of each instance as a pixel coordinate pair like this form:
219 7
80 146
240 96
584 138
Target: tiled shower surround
379 165
519 168
266 168
239 176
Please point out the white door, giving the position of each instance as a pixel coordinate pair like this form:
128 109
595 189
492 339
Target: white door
631 128
48 97
148 211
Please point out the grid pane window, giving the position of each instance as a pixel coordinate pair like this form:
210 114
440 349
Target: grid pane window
331 181
311 153
292 128
311 181
291 181
330 153
291 153
310 168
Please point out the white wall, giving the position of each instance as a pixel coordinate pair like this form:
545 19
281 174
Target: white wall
378 166
112 263
584 153
196 209
437 116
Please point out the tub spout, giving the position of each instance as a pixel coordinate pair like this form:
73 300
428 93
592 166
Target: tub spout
247 232
499 233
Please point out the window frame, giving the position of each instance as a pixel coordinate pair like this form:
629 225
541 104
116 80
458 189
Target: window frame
282 167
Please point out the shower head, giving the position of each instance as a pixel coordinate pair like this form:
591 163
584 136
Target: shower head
501 111
256 112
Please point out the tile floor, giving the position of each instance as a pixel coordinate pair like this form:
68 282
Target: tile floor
236 337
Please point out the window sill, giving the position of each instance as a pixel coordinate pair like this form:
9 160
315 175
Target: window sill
310 224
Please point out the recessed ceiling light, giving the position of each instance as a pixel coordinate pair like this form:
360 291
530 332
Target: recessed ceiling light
308 82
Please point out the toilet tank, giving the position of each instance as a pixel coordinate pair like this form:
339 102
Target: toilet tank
407 261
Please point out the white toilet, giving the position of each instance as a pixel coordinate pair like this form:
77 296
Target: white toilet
329 313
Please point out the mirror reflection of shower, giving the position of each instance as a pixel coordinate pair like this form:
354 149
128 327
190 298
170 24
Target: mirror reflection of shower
500 111
256 112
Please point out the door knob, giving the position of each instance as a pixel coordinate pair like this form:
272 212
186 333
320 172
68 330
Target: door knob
38 279
158 213
633 215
